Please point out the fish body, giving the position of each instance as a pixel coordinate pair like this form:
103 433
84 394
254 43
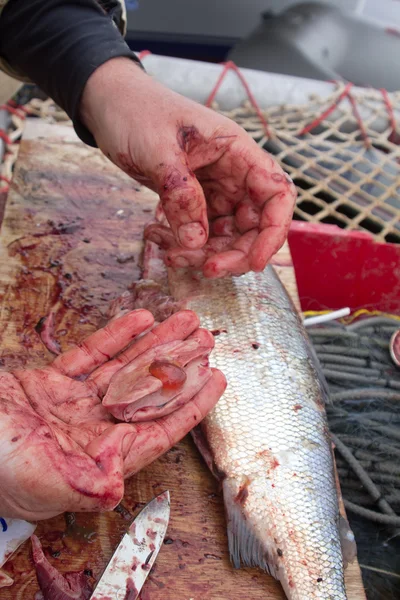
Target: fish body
267 438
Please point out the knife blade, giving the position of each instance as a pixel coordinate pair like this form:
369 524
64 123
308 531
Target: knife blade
125 574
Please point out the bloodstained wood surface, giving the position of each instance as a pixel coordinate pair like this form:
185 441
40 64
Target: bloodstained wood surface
70 242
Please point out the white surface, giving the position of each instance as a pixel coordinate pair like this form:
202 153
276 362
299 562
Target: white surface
38 128
196 79
16 534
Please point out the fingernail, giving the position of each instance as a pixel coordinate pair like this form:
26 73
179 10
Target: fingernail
180 261
192 235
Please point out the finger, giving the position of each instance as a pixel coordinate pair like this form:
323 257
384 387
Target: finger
224 226
150 440
275 222
102 345
184 204
220 205
154 377
160 235
233 261
177 327
247 216
264 182
180 258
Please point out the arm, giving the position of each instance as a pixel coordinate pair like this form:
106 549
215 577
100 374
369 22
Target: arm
58 44
227 202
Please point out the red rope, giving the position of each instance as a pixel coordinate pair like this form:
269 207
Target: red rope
216 87
143 53
359 120
13 111
3 178
394 136
4 136
328 111
227 67
14 104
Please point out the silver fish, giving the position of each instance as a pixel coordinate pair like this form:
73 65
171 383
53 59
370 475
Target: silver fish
268 438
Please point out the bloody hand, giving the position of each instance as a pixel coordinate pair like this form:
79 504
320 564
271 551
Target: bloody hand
228 203
61 450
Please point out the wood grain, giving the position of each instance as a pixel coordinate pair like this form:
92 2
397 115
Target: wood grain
71 242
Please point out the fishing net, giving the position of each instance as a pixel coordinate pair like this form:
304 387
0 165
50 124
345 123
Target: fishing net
364 420
342 153
364 414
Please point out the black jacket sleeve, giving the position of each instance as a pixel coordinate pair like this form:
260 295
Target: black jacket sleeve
58 44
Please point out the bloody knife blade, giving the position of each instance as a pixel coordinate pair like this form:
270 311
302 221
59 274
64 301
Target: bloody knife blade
130 564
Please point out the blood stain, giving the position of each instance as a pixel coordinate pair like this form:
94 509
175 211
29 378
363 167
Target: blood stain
243 492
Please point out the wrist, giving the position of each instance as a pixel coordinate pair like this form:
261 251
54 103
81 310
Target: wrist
107 89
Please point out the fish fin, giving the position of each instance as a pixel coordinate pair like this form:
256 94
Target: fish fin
204 448
347 541
245 547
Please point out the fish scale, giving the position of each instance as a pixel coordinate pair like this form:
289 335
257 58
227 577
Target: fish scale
268 435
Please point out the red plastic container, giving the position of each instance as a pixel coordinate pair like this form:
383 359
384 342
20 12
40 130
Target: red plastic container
336 268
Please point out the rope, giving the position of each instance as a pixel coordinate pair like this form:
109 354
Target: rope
328 111
364 415
231 66
390 111
13 111
3 135
364 135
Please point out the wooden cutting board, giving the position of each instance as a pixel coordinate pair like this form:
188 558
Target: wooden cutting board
71 242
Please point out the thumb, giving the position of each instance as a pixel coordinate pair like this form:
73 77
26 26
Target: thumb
183 200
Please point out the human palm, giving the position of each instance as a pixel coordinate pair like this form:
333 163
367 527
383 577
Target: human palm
62 450
228 204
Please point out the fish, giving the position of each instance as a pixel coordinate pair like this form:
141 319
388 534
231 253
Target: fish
267 439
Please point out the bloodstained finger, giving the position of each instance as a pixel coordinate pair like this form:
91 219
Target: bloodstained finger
275 222
184 205
102 345
177 327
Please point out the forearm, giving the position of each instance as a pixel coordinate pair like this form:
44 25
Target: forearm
58 44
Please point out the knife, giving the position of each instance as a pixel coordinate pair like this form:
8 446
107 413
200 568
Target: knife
125 574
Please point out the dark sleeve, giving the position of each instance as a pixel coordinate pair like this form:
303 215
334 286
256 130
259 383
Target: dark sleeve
58 44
